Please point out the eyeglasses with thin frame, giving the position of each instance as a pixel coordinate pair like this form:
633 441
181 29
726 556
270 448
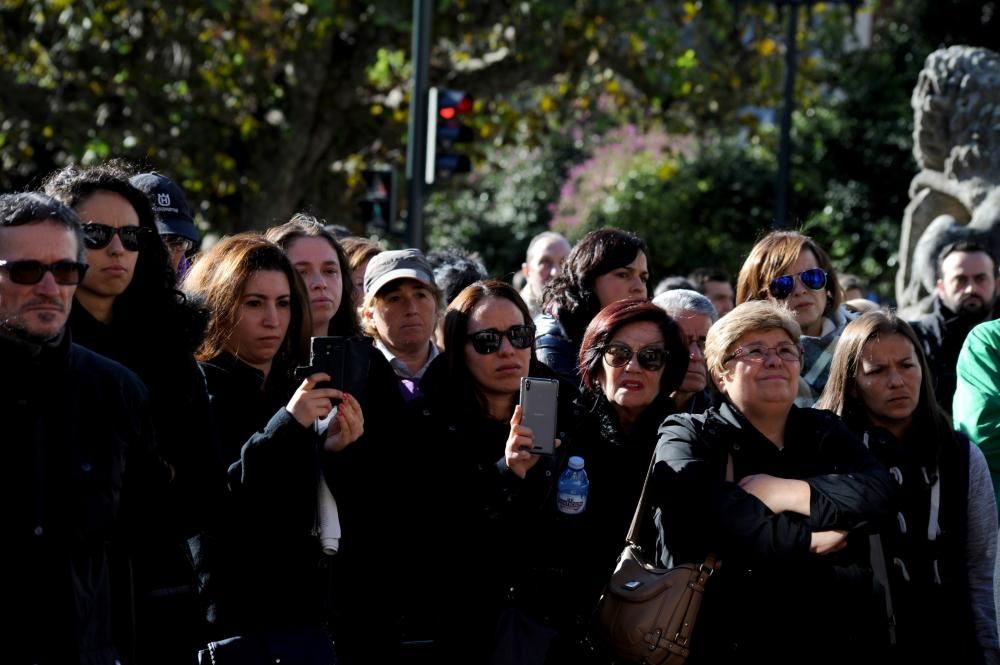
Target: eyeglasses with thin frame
28 273
757 353
651 358
782 287
489 340
98 236
177 243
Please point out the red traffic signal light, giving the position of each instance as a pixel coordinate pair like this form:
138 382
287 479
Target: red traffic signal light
445 129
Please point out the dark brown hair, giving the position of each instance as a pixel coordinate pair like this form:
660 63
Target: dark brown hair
456 326
570 295
301 225
841 397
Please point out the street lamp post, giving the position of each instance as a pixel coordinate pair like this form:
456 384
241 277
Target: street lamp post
788 104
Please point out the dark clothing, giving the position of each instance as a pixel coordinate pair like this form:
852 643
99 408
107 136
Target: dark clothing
471 501
576 553
261 565
772 600
555 349
928 579
373 483
73 422
169 622
941 334
700 402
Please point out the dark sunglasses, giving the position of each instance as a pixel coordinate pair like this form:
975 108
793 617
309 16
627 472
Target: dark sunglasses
488 341
69 273
782 287
651 358
98 236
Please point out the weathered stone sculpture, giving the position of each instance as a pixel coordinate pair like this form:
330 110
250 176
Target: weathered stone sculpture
956 195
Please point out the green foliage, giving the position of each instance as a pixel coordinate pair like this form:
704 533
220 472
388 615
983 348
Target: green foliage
498 213
705 210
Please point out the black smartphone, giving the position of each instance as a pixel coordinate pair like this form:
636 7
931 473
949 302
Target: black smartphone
345 359
539 405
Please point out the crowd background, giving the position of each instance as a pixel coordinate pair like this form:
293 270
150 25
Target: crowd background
649 116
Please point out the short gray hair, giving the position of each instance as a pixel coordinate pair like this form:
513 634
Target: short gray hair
677 302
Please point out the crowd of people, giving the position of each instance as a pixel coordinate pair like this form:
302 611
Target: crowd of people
202 489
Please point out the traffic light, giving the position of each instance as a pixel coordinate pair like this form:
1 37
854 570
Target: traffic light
444 130
378 207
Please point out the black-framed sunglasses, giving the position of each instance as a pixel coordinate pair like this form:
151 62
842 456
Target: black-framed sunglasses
98 236
68 273
651 358
488 341
782 287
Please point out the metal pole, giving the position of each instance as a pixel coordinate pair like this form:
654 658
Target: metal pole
791 58
416 149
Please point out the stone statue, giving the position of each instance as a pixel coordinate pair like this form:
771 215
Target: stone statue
956 195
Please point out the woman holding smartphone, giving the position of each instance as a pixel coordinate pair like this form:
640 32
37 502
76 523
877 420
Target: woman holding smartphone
264 571
471 478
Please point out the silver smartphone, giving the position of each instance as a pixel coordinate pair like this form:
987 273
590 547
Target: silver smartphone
539 403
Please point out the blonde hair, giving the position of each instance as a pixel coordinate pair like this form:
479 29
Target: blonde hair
749 317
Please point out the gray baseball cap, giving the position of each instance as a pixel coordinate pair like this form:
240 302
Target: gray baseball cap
385 267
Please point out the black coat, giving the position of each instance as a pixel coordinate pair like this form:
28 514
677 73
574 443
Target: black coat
474 509
772 600
78 445
168 622
261 564
942 334
371 480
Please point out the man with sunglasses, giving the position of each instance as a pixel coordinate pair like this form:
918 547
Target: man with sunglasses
964 297
70 419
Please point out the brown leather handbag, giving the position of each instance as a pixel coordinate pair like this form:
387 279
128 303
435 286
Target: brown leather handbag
647 614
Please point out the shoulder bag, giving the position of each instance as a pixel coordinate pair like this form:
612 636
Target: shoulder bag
647 614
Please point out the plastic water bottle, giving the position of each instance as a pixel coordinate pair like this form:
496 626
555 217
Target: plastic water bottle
573 488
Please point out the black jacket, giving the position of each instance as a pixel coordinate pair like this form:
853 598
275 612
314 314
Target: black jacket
261 564
474 507
555 349
942 334
772 599
78 445
928 579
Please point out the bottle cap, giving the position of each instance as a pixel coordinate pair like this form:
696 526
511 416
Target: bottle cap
576 462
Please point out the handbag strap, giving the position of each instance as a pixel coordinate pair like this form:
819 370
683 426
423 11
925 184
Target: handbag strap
640 509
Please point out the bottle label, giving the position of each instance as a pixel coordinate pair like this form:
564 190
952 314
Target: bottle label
572 504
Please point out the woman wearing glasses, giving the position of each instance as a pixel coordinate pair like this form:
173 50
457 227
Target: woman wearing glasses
790 269
471 415
777 493
938 550
128 309
631 360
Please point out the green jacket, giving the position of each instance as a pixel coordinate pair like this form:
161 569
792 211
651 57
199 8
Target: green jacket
976 407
